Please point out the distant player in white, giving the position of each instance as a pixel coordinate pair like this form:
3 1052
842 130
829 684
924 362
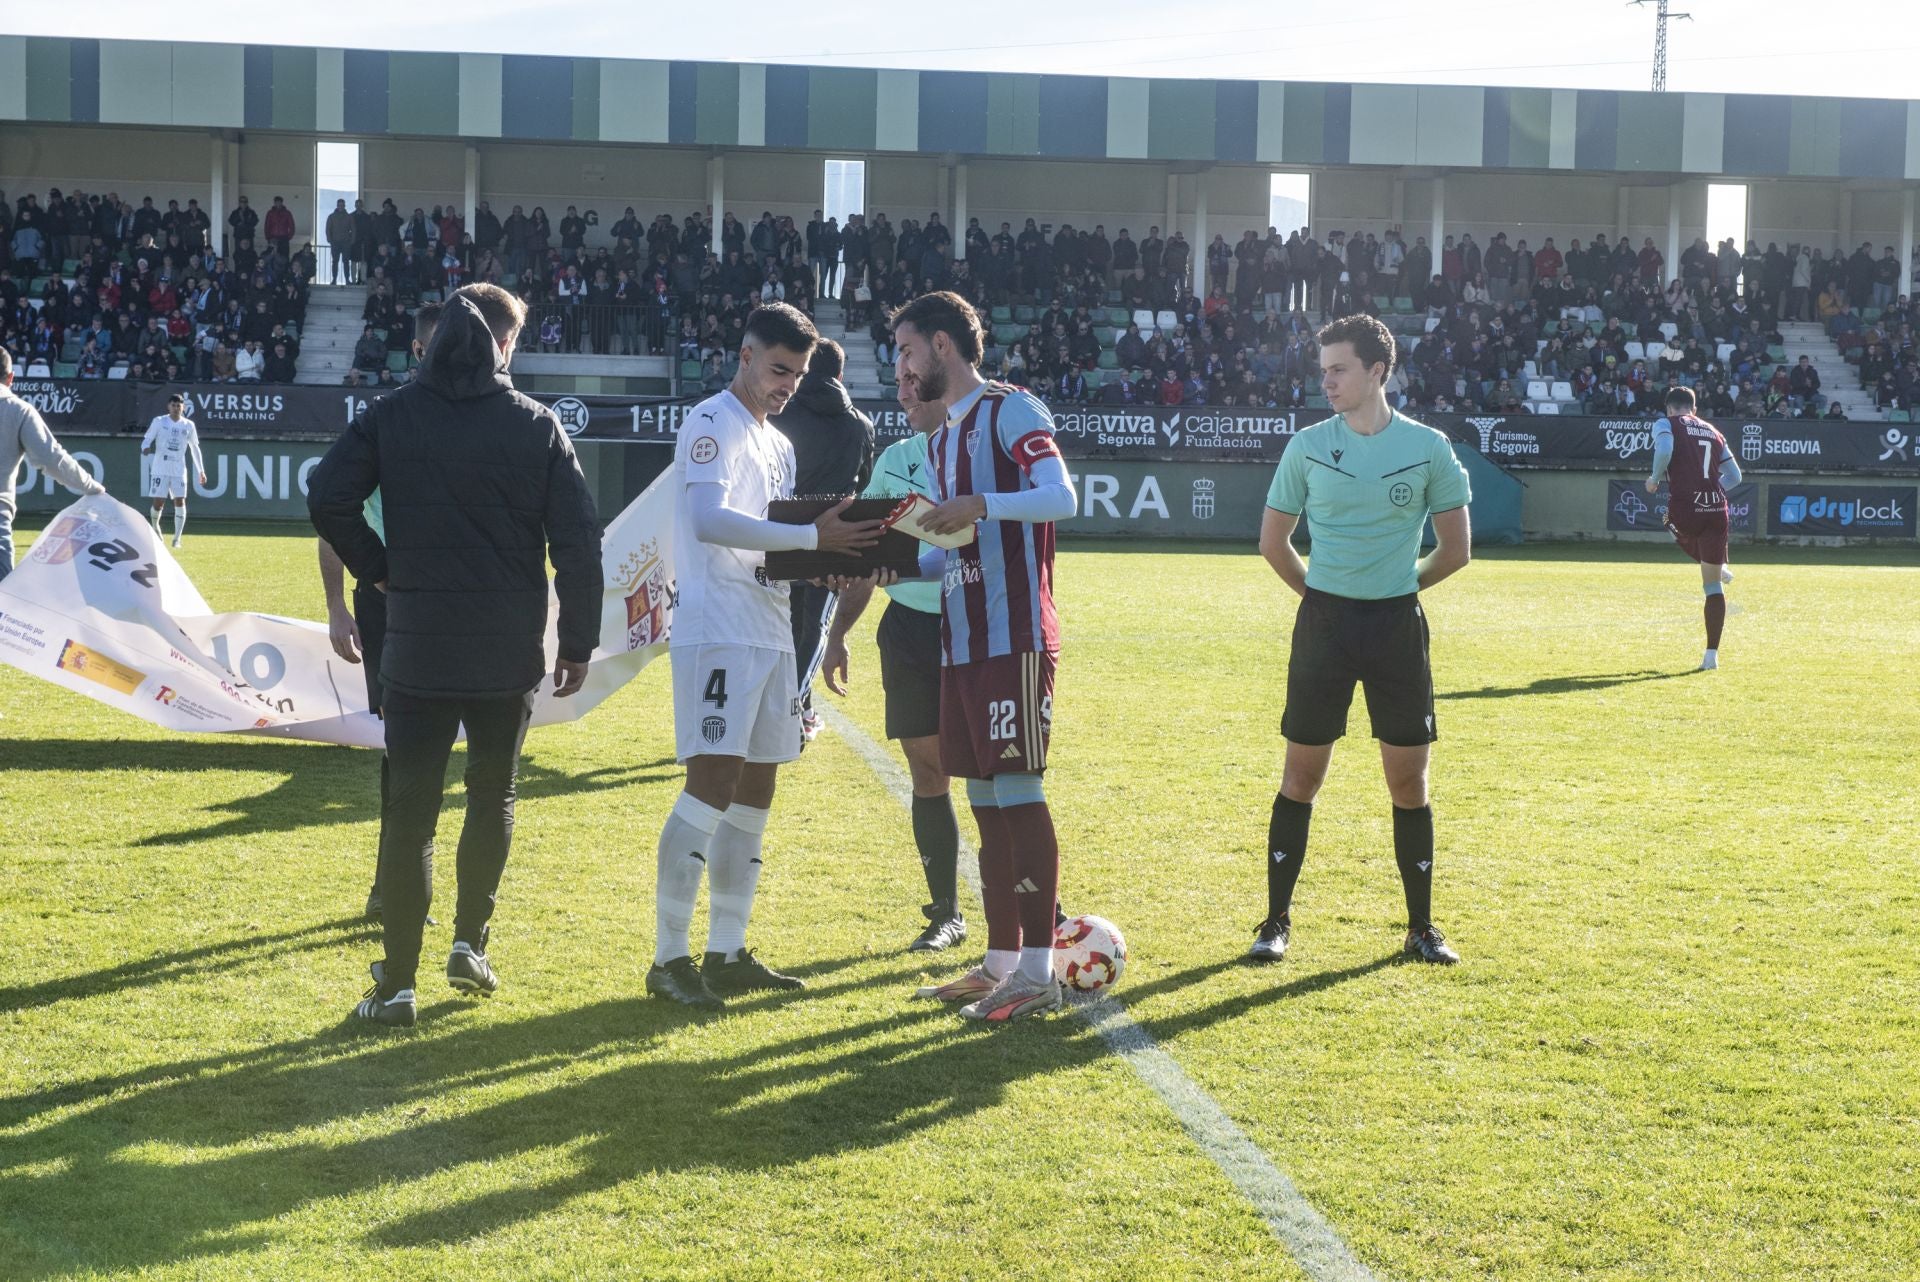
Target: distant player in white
172 440
736 696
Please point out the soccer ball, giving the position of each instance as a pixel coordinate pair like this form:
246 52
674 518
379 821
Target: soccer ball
1088 954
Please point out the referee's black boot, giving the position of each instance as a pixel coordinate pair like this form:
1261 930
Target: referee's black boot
745 974
468 970
945 928
1270 941
1429 945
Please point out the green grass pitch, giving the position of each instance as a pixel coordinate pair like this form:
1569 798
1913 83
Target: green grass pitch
1682 1045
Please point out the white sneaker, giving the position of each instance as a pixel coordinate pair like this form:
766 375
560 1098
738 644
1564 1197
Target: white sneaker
970 987
1016 997
176 540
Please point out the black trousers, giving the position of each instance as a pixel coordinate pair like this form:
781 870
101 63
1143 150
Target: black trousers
420 735
813 610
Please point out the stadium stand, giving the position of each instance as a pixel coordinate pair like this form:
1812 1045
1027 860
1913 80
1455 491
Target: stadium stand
92 286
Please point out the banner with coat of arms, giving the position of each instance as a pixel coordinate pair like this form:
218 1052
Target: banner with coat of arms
101 606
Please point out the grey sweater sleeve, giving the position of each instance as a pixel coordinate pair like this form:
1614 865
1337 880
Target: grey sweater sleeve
23 433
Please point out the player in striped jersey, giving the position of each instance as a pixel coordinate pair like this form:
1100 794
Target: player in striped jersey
996 468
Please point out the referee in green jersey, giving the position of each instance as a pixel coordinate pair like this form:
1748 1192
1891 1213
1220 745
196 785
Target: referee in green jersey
1366 481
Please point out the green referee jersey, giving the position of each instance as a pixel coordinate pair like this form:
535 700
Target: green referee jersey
903 469
1366 500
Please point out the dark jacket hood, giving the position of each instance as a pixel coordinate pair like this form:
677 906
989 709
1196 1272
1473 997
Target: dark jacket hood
826 397
462 360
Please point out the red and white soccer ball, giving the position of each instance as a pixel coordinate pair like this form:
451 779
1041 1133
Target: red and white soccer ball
1088 954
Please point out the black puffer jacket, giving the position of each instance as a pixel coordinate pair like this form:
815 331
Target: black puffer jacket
477 483
832 441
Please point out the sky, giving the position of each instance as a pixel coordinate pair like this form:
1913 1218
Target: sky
1854 48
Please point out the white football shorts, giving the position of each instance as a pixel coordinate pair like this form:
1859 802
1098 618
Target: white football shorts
735 701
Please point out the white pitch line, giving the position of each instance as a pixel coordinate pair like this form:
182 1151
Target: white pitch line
1301 1229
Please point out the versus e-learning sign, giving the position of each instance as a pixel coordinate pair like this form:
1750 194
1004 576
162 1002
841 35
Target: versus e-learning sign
1885 510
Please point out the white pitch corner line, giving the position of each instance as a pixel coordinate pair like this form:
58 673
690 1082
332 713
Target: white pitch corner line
1301 1229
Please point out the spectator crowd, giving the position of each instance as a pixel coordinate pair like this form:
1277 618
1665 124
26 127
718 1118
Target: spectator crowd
115 290
95 287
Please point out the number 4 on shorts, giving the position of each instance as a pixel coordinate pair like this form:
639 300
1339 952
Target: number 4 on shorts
716 692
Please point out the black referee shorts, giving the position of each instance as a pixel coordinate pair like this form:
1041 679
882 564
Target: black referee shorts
370 616
1382 645
910 671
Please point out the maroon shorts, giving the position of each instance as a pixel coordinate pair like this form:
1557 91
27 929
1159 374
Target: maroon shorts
1701 535
996 716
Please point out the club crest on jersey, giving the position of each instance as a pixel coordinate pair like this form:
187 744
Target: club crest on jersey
704 450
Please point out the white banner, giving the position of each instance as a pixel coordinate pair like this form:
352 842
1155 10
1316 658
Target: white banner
100 606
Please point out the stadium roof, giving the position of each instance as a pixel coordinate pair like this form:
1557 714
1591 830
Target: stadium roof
373 93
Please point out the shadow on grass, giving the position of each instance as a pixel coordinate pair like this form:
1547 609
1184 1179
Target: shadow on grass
1166 1028
582 1081
1567 685
163 967
319 784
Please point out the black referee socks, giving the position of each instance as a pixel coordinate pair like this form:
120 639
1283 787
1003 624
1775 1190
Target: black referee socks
937 833
1286 848
1413 851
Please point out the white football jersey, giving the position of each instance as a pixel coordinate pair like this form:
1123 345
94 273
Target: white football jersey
174 444
725 595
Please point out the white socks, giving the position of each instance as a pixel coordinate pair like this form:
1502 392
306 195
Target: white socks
156 518
1036 964
179 520
1001 962
733 860
684 844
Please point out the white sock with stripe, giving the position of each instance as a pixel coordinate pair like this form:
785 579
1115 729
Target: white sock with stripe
733 861
684 843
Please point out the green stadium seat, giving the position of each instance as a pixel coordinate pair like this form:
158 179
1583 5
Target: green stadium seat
1106 335
1867 314
1383 301
70 266
1002 315
1777 354
690 370
380 334
1113 296
1007 333
1119 317
1899 416
1109 359
886 375
1403 304
65 369
397 361
1025 315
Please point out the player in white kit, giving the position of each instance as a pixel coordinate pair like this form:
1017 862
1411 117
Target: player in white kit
172 440
736 696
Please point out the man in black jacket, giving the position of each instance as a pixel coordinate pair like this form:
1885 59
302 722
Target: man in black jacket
833 454
479 485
